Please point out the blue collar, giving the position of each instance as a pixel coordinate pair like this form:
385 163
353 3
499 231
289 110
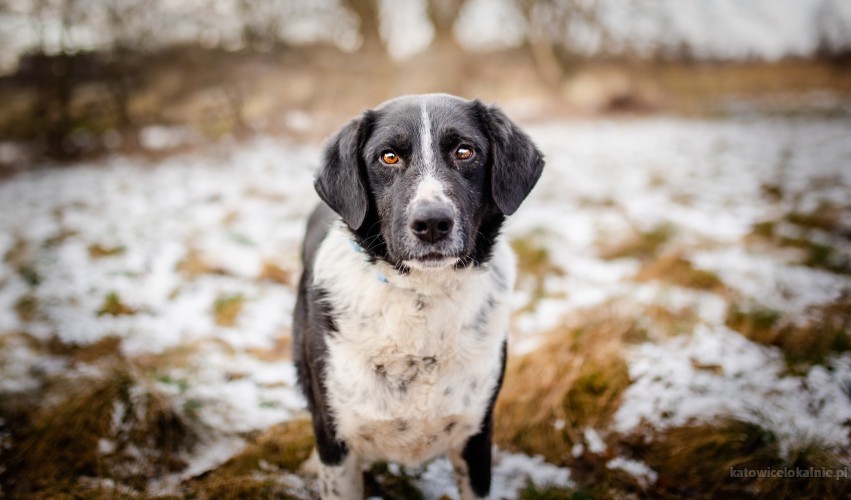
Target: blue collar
357 248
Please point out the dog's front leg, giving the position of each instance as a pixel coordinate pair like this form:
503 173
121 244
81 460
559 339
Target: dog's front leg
342 481
472 464
340 476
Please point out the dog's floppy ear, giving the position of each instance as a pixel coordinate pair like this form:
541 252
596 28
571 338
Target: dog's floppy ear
516 164
340 181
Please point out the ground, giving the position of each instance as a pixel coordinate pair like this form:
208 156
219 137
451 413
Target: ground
682 314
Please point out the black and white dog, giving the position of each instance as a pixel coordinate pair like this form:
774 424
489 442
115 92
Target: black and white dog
402 314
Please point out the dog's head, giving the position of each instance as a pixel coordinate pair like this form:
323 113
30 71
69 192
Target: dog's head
425 182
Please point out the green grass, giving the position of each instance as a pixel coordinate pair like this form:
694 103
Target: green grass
113 306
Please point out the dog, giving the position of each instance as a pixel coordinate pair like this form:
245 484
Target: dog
401 319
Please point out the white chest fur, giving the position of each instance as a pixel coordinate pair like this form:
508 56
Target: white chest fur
416 357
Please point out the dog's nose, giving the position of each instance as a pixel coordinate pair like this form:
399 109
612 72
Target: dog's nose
431 222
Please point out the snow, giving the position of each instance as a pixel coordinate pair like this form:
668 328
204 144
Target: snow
773 284
594 441
511 473
717 373
639 470
606 179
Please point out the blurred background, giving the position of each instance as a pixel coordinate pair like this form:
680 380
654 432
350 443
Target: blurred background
82 78
682 314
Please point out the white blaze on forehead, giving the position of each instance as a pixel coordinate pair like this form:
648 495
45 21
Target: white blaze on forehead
430 188
425 138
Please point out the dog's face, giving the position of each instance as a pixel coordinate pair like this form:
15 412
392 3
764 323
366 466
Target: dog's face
424 182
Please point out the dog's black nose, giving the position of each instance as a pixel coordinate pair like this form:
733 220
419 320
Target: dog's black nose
431 222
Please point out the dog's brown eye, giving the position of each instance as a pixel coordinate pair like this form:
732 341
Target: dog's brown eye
389 157
464 153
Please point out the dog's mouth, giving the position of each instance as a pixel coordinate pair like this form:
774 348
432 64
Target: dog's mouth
431 260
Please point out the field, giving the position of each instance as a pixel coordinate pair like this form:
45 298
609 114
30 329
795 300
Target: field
683 313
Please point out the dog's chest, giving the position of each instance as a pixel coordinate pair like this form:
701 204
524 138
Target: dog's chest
412 368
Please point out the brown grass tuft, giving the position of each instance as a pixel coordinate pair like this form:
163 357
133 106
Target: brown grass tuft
820 253
381 482
828 330
252 473
675 269
827 218
285 446
96 431
274 273
27 307
97 251
113 306
577 377
18 254
642 245
229 487
280 351
696 460
668 321
107 348
60 237
194 265
226 309
533 266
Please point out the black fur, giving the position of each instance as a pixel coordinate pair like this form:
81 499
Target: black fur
477 451
516 165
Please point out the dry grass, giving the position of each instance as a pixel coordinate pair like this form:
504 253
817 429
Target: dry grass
113 306
252 472
576 379
381 482
105 352
60 237
533 492
696 460
533 266
674 268
226 309
27 307
642 245
194 265
819 253
225 488
280 351
275 273
667 321
285 446
97 251
97 430
18 254
827 331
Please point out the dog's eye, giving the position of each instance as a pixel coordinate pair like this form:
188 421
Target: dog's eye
389 157
464 153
